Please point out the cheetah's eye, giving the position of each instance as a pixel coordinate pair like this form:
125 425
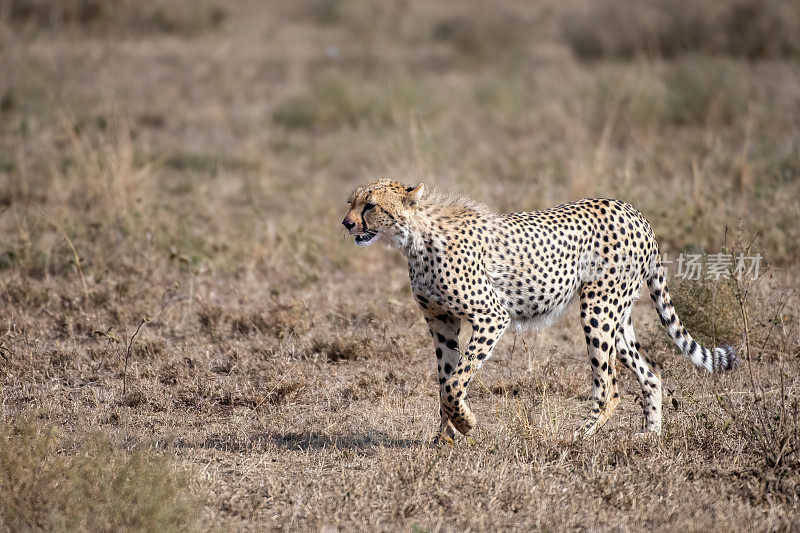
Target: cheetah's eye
368 206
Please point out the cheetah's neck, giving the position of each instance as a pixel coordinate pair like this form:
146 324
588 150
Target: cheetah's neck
416 228
428 227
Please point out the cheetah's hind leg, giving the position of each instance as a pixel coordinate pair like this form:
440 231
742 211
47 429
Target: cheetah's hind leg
647 374
589 425
600 327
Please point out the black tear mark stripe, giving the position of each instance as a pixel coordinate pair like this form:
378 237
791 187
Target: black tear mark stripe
367 207
364 222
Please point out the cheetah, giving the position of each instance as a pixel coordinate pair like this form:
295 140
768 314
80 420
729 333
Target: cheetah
469 265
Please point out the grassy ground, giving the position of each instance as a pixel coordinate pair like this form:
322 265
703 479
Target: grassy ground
190 165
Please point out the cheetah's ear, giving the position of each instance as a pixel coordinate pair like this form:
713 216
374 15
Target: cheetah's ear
413 194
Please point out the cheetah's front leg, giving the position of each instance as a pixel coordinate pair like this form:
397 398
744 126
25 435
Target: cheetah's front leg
444 329
486 330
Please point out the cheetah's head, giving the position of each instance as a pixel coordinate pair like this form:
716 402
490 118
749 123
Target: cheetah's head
380 209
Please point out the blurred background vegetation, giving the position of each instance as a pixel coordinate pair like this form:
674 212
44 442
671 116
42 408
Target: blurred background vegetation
121 110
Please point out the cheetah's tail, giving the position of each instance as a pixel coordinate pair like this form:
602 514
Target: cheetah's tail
720 358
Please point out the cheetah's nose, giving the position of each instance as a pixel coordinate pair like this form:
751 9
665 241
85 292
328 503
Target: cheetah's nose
347 224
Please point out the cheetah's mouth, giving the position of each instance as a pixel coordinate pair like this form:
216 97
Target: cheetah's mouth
365 239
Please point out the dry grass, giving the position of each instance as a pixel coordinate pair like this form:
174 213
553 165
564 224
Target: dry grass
52 483
193 169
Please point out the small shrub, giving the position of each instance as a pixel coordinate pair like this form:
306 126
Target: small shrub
740 310
708 309
770 424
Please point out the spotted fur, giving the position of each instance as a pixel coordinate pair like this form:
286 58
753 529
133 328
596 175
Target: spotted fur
471 266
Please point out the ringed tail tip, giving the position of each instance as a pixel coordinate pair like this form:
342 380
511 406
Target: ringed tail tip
725 358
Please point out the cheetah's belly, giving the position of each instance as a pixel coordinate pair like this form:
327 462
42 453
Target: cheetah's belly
535 294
